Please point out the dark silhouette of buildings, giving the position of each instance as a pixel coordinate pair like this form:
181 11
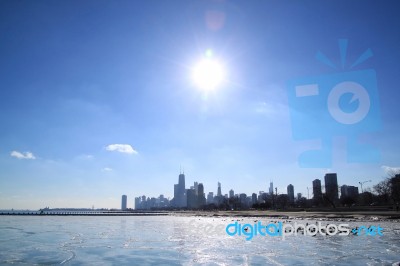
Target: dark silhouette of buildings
253 198
317 191
290 193
271 188
195 197
349 192
331 187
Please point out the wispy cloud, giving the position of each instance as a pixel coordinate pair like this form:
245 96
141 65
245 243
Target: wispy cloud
124 148
85 157
23 155
263 108
106 169
268 109
390 170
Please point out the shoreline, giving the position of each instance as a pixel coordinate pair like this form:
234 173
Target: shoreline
359 215
300 215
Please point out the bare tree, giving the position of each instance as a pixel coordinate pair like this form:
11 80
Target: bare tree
282 200
395 188
389 188
383 189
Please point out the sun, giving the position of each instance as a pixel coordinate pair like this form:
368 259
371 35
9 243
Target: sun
208 74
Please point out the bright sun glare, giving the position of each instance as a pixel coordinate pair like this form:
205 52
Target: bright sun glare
208 74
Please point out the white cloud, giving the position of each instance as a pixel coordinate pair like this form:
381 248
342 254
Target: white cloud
390 170
124 148
106 169
23 155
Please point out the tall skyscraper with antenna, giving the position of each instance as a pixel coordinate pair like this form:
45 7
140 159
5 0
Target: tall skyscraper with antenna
180 191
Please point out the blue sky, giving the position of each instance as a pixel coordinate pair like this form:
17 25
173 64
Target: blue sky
78 78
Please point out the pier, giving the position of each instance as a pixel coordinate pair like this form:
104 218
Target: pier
82 213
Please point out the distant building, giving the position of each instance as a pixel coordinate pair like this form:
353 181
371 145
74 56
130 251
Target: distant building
137 203
299 196
317 190
180 198
143 203
231 193
290 192
162 202
210 198
196 187
219 193
263 197
201 196
123 203
348 192
176 195
153 202
271 188
331 186
253 198
243 200
191 198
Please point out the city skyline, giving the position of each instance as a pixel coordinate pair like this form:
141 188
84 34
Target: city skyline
184 197
99 99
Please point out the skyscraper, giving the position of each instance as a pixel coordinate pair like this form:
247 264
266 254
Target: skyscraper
231 193
137 203
331 186
201 196
242 199
271 188
219 193
317 191
253 198
210 197
290 192
180 192
191 198
123 203
181 180
176 195
196 187
298 196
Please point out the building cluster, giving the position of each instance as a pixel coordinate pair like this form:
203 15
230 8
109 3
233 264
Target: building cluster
143 203
347 193
195 197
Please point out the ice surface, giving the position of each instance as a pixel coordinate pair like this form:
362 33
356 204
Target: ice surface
169 240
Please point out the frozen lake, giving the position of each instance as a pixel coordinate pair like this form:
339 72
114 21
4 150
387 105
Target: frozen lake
170 240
